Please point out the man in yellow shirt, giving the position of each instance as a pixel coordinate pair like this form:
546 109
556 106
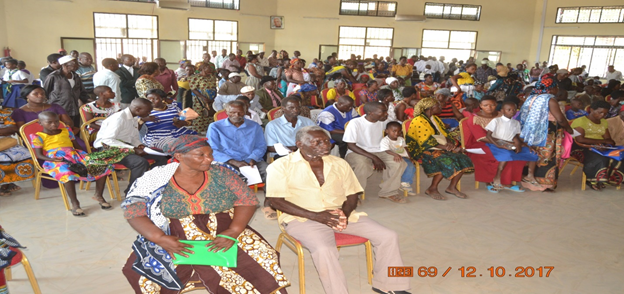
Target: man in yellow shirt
403 70
318 194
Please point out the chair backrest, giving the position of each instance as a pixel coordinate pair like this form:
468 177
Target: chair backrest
272 112
28 129
221 114
279 213
462 136
82 110
358 99
360 110
405 126
84 133
314 101
324 96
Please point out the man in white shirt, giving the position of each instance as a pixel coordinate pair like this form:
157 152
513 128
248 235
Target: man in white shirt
363 136
420 64
108 77
121 129
613 74
221 58
442 67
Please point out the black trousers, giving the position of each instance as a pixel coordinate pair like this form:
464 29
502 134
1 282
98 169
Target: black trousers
342 146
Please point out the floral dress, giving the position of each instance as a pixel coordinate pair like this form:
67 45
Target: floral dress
60 146
207 86
143 85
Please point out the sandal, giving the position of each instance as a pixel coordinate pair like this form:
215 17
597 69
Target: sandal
396 198
532 185
77 211
269 213
10 187
494 188
457 194
436 197
5 193
514 188
595 186
103 204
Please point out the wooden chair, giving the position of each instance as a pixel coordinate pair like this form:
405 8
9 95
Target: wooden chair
272 112
29 272
221 114
360 110
416 163
342 240
463 144
324 96
85 134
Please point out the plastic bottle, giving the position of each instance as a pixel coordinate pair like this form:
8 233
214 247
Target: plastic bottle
183 115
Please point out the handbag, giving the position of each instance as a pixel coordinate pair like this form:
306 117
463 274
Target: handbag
190 114
201 255
7 142
77 168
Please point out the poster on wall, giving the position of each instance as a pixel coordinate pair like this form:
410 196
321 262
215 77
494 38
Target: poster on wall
277 22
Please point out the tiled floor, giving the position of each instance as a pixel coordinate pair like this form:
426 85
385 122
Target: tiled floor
580 233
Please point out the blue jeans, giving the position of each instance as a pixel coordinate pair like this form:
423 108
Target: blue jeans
410 171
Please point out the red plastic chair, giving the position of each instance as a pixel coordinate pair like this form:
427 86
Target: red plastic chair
221 114
324 96
342 240
360 110
271 114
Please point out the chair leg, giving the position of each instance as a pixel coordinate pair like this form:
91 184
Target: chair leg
116 182
565 162
30 274
81 187
109 185
459 186
88 186
363 195
64 195
584 182
369 261
280 241
7 274
37 185
301 269
574 170
256 188
417 179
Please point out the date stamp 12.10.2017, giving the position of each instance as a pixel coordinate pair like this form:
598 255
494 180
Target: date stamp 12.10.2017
472 272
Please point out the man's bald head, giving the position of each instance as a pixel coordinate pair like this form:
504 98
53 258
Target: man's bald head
141 107
372 106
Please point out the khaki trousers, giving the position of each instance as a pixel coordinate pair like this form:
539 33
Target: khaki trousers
320 240
363 168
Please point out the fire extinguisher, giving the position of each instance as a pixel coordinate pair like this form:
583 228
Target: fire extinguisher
7 52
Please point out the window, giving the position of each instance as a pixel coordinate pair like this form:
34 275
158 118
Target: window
368 8
125 34
452 11
364 41
598 14
450 44
206 35
223 4
596 52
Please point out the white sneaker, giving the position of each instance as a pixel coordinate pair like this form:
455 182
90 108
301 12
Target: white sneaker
406 187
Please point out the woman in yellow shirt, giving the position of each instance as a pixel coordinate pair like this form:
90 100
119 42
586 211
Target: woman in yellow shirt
339 89
403 70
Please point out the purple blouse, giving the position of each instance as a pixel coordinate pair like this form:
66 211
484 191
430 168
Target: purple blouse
20 115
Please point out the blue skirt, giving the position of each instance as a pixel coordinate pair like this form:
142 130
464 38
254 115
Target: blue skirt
509 155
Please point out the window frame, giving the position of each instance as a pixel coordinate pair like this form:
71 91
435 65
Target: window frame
235 9
188 30
553 44
578 8
366 38
462 5
396 5
128 35
449 39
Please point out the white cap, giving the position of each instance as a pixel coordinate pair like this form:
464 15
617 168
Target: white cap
234 74
66 59
391 80
247 89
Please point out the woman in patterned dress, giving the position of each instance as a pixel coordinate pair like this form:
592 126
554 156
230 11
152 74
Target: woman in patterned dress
147 81
204 87
196 199
166 123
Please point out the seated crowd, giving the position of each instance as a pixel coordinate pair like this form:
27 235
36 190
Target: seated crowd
316 135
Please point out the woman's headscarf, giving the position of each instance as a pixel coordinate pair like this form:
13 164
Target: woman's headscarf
293 61
423 105
502 70
544 84
307 88
182 144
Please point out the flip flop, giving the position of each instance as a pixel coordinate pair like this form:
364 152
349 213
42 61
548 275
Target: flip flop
78 212
441 196
492 189
269 213
457 194
396 198
103 204
11 187
514 188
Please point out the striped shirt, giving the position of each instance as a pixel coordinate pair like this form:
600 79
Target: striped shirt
164 127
